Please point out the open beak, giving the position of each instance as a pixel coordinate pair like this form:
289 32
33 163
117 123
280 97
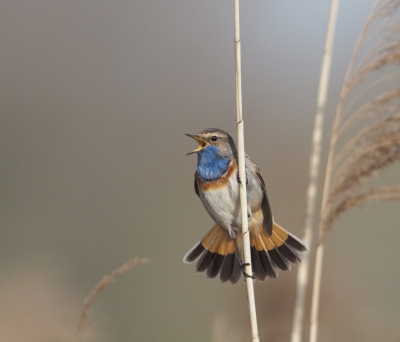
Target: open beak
202 143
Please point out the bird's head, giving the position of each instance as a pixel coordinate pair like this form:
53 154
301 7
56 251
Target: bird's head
216 140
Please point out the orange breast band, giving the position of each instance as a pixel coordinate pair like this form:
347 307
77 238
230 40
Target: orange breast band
212 185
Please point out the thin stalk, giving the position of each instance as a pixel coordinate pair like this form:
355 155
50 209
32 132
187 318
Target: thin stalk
316 293
315 159
100 286
242 176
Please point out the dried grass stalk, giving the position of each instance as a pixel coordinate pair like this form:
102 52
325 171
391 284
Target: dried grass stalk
101 285
315 159
365 136
242 175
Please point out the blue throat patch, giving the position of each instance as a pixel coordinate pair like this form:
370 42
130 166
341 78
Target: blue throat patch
210 165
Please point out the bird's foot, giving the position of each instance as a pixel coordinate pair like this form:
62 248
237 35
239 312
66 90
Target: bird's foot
246 275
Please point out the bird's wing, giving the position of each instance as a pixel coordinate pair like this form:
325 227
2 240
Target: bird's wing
268 220
196 186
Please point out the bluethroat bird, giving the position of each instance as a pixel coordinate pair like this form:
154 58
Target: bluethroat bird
216 182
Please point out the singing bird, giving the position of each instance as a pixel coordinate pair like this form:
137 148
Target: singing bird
216 182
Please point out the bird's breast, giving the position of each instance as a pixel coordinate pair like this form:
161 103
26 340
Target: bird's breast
221 197
220 182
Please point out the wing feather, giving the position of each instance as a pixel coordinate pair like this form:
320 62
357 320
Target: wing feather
196 186
268 221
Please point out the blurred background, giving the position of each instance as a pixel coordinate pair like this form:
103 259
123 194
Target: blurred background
95 99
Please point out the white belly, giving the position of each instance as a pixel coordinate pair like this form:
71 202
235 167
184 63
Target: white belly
223 204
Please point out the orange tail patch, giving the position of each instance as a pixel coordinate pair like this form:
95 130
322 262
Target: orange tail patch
217 253
277 251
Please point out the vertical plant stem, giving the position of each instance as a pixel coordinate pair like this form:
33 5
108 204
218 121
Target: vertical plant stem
316 293
315 158
242 175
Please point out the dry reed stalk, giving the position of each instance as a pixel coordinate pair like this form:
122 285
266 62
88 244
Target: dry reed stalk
315 158
365 140
101 285
242 175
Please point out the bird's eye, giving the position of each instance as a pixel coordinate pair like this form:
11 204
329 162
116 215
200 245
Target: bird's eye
214 138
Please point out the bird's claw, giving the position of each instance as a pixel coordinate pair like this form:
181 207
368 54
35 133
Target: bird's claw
246 275
240 181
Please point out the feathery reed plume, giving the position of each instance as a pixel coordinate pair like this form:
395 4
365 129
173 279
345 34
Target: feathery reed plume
101 285
366 132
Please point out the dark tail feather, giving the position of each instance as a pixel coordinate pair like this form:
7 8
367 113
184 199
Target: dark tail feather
277 251
215 267
237 271
193 254
217 254
227 267
262 264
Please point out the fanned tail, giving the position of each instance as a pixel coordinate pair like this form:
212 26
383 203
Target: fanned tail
277 251
217 253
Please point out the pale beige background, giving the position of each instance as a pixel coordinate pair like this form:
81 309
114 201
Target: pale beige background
95 99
